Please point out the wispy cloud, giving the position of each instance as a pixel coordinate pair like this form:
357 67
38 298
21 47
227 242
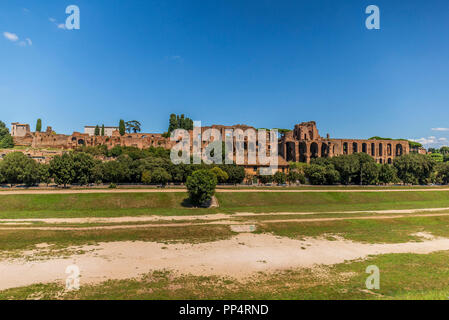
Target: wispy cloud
15 38
440 129
11 36
176 58
432 142
57 24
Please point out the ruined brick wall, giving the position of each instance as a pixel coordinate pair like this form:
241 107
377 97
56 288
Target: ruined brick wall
306 143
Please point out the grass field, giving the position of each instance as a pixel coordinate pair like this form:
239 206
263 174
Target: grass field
176 203
403 275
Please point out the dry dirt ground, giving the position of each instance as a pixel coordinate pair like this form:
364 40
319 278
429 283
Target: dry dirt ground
240 257
212 219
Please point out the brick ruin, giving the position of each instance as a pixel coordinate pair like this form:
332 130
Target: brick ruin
301 144
49 139
304 143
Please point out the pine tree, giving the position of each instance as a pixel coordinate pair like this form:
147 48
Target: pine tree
97 130
102 130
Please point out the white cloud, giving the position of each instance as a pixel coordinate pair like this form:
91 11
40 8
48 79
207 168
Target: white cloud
57 24
11 36
15 38
440 129
432 142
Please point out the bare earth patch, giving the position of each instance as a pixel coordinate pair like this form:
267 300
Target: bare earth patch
222 217
240 257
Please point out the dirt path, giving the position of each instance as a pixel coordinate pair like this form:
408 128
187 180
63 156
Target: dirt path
239 257
166 190
207 217
218 221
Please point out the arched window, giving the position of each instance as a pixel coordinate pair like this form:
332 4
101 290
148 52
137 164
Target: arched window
355 147
364 148
324 150
398 150
314 150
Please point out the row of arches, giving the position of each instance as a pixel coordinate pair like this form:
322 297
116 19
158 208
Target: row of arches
302 151
363 147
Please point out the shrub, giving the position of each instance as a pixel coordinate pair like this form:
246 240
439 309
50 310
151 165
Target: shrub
201 186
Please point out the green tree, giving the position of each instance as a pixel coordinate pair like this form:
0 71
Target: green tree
173 123
295 177
102 130
414 168
265 178
39 125
115 151
201 186
316 174
160 176
133 126
44 174
444 150
6 141
443 173
235 173
122 127
83 167
62 169
97 130
146 177
280 177
221 175
17 168
387 174
369 173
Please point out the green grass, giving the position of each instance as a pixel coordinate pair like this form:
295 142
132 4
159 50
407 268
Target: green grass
402 276
135 204
12 240
330 201
369 231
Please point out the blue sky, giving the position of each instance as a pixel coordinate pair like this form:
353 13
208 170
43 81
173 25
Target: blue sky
263 63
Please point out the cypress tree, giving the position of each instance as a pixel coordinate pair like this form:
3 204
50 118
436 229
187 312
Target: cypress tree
39 125
122 128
